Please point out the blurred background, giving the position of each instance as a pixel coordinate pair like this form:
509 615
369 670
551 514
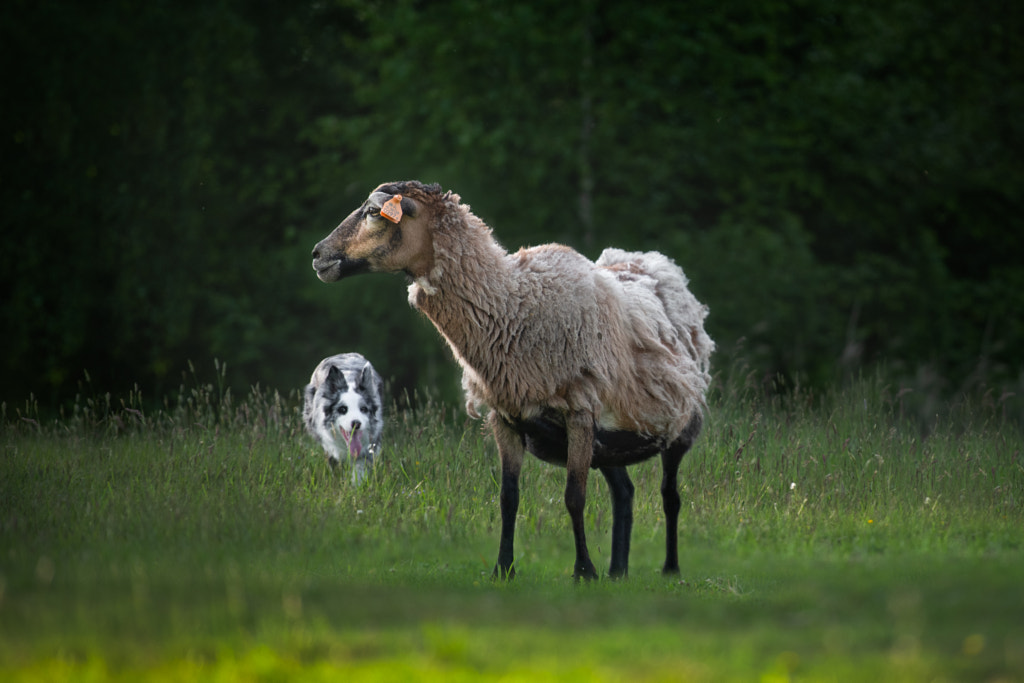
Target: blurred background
841 181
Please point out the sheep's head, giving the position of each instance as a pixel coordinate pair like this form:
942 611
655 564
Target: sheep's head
368 241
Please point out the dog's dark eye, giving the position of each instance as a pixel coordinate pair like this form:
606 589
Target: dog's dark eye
362 408
342 410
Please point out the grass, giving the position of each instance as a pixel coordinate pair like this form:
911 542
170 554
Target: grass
822 538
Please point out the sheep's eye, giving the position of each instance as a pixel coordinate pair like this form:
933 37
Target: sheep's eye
377 222
342 410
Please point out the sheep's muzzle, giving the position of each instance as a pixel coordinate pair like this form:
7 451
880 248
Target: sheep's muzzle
334 269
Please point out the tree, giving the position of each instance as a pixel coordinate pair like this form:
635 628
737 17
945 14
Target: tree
837 180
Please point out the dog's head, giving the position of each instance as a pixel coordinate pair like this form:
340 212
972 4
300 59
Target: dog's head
350 409
337 407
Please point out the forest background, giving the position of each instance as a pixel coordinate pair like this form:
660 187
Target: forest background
841 181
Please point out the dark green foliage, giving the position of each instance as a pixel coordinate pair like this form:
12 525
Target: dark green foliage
840 181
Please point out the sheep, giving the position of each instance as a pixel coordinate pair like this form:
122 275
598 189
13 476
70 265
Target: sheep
583 364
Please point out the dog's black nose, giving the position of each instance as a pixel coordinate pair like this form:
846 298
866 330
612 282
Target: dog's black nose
356 424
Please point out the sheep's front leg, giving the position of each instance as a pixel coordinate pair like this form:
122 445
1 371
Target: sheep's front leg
622 518
510 451
580 433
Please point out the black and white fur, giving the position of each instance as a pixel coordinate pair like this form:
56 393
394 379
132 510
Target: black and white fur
343 410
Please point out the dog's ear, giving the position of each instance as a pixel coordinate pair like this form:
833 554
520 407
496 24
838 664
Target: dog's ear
366 385
335 381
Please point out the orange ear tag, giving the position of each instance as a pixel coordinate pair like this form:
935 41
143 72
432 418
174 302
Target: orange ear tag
392 209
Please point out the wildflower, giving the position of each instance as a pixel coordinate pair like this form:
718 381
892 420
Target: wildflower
792 486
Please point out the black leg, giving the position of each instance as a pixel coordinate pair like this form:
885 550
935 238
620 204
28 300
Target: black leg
509 501
575 501
580 433
622 518
670 460
510 450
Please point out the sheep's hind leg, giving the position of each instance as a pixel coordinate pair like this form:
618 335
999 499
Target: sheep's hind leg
622 518
670 459
580 433
510 451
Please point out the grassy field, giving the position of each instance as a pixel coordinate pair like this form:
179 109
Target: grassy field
822 538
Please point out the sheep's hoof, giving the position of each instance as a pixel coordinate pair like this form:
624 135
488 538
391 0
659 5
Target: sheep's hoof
503 573
588 573
670 571
617 574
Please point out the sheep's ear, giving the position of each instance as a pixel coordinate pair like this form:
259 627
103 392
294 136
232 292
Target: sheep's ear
409 207
377 199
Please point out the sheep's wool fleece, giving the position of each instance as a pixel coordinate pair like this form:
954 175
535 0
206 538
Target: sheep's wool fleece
547 329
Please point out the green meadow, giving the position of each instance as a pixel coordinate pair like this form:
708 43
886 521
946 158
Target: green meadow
826 537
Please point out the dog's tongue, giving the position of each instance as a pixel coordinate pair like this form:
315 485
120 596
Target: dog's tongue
355 444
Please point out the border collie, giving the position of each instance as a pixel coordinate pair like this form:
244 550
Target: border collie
343 411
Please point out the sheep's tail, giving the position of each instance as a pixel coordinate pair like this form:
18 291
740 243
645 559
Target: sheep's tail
684 312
